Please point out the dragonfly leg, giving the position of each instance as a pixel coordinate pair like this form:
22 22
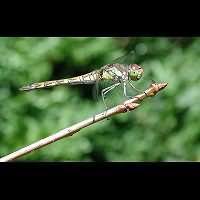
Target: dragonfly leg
134 87
124 87
125 90
111 88
106 90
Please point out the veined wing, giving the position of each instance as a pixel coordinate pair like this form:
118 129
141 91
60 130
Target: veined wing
113 70
118 67
127 59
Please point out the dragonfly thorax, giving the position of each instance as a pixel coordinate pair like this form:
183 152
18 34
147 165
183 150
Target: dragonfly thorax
121 72
135 72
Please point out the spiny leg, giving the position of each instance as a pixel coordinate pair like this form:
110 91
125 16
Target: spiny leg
134 87
109 89
106 90
125 90
103 95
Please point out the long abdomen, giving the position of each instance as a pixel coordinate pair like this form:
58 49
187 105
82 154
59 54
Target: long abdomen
89 78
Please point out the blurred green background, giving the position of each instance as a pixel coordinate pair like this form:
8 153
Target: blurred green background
164 128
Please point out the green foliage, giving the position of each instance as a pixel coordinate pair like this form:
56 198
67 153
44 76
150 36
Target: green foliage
165 127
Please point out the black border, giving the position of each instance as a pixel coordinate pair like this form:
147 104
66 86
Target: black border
125 24
100 169
113 22
117 18
98 178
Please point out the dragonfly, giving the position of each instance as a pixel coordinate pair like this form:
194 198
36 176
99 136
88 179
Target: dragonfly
120 72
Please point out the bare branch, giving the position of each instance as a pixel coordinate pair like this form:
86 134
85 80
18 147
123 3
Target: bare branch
128 105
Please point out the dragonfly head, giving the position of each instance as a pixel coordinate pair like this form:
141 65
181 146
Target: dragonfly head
135 72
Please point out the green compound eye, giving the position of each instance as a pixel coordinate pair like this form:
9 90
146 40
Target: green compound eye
133 75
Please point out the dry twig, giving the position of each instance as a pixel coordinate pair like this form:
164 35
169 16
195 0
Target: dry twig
128 105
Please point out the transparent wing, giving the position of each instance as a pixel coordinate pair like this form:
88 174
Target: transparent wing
95 90
128 58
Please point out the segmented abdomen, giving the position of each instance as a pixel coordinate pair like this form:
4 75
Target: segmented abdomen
89 78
